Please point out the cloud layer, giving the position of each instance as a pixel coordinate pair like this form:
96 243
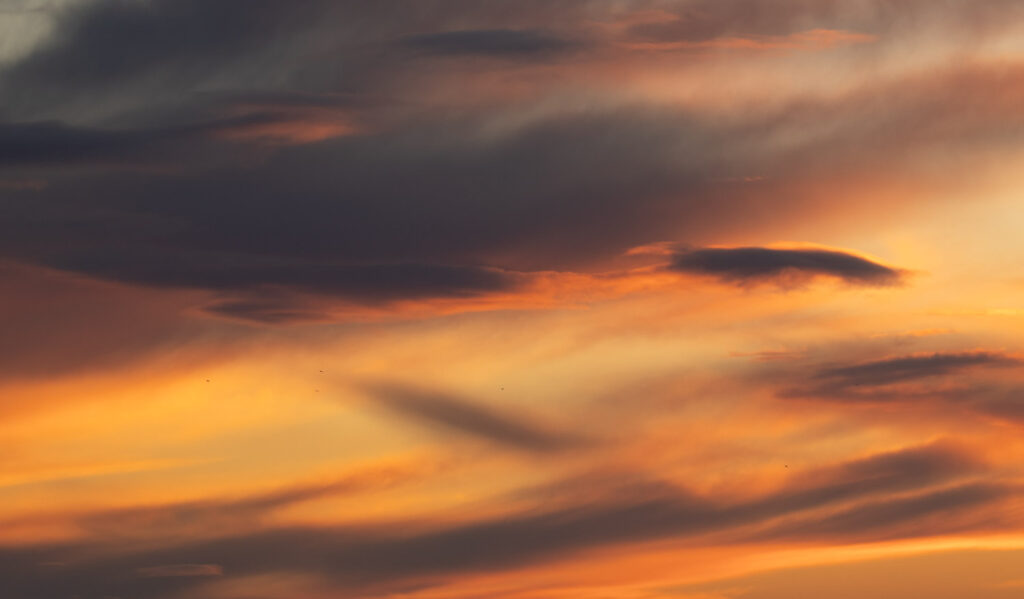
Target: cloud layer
425 299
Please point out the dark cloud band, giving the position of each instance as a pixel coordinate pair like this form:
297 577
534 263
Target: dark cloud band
757 263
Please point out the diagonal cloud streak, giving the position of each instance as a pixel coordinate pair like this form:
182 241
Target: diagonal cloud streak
451 413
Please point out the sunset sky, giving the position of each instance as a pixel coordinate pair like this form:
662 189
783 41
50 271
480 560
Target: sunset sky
511 299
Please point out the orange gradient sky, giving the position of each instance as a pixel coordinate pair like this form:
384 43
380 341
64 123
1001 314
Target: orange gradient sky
454 299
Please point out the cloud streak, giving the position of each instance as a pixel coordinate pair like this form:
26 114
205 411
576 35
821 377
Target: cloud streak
751 264
370 558
881 380
490 42
445 411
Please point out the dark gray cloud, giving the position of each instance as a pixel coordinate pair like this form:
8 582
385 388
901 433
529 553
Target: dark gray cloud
456 414
345 216
55 143
872 381
974 385
52 143
422 200
182 43
491 42
189 46
902 516
373 558
914 467
269 307
886 473
359 282
756 263
906 368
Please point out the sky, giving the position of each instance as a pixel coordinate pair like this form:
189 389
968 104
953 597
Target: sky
511 299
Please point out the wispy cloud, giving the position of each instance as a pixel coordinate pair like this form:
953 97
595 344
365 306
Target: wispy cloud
438 409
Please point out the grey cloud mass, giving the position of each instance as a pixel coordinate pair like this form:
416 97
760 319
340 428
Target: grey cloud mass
415 191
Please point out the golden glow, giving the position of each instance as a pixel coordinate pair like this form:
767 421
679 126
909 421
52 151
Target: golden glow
608 424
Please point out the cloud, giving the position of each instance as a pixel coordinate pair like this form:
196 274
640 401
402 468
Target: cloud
911 467
978 385
184 46
53 143
213 517
280 162
368 558
482 192
345 216
269 308
184 42
745 264
878 380
455 414
1001 402
880 474
904 368
43 143
56 324
172 523
179 570
901 516
703 20
975 571
509 43
241 272
816 39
